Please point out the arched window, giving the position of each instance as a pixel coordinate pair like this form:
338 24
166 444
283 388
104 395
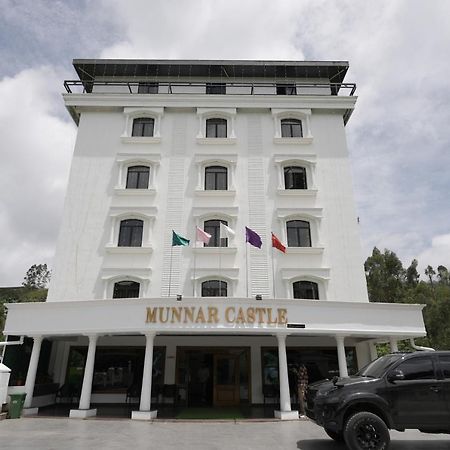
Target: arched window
143 126
291 128
295 177
126 289
306 289
130 234
216 178
216 128
212 227
137 177
214 288
298 233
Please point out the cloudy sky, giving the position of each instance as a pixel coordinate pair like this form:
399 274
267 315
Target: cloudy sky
399 135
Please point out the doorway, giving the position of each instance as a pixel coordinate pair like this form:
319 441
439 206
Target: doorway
213 377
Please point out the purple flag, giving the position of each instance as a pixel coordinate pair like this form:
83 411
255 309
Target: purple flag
252 238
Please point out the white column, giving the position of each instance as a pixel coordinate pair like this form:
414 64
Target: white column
146 392
393 344
342 360
373 350
285 397
85 397
144 412
32 369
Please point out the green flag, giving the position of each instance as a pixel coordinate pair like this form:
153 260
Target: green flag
178 240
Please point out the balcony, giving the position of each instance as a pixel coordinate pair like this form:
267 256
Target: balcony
180 87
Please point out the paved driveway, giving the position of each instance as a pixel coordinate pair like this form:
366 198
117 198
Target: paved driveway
66 434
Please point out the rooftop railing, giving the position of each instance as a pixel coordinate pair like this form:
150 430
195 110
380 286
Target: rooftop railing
180 87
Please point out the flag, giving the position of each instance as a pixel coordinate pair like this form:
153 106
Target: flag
277 244
202 236
178 240
225 231
252 238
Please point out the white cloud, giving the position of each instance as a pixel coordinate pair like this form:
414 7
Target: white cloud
36 150
436 255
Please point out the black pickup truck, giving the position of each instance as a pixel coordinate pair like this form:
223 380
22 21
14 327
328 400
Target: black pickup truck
398 391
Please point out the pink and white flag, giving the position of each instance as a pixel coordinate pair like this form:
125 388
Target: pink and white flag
202 236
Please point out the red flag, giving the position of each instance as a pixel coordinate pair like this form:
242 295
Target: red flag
277 244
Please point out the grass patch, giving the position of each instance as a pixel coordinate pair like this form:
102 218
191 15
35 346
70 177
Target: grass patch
211 413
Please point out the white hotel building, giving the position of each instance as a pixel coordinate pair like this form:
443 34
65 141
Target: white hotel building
175 145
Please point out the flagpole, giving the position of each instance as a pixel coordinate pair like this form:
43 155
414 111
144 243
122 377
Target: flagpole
220 263
246 264
170 270
195 255
273 276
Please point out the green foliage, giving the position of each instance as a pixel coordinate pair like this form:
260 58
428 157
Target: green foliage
387 281
37 277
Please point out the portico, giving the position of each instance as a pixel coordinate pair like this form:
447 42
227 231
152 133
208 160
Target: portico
216 323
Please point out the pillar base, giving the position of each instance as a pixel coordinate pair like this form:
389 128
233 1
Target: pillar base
82 413
286 415
144 415
30 411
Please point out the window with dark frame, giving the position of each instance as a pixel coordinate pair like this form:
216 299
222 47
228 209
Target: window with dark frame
214 288
306 289
295 177
216 128
130 234
126 289
291 128
298 233
216 178
150 87
212 227
286 89
216 88
417 369
143 127
138 177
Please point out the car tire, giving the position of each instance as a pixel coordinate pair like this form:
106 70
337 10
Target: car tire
338 437
365 430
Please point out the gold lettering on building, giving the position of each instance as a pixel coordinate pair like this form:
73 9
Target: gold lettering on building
212 315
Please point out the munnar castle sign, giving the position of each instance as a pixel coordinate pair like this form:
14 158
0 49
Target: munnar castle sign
212 315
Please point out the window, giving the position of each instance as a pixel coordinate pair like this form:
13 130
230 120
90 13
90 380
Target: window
148 88
126 289
143 126
286 89
417 369
295 177
130 234
214 288
298 233
212 227
216 178
445 366
216 88
216 128
137 177
291 128
306 289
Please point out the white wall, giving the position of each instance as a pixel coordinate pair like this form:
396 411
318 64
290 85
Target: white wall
84 263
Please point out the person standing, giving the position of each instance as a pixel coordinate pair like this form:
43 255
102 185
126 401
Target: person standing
302 385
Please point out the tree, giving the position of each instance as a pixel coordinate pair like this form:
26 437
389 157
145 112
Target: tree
429 272
385 277
412 276
37 277
443 275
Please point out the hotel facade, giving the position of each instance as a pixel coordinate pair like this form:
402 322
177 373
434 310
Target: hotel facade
196 147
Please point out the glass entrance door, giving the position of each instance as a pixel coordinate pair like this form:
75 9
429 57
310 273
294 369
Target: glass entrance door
226 379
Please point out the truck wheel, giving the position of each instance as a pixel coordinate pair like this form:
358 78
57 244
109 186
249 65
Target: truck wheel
365 430
338 437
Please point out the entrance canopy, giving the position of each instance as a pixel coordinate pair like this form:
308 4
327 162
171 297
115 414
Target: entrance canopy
215 315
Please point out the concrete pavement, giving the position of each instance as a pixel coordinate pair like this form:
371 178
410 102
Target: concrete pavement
68 434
